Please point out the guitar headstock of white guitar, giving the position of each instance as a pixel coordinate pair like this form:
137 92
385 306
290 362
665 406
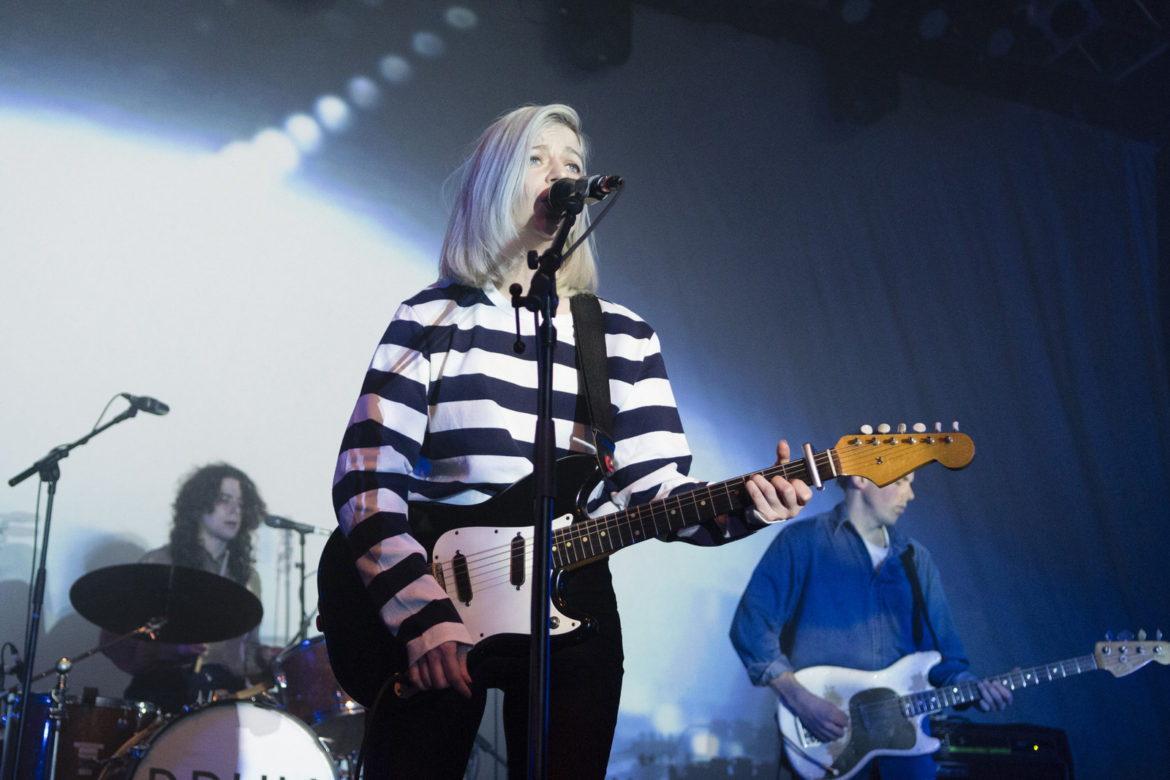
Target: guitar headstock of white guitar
885 455
1123 656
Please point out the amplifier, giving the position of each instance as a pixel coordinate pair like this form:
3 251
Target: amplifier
1007 751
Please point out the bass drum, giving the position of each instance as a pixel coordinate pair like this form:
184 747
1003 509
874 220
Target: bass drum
226 740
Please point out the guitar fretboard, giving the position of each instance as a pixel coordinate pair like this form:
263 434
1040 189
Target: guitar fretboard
597 537
936 699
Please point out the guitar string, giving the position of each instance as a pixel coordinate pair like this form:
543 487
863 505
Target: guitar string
626 519
616 521
492 566
600 527
936 697
485 569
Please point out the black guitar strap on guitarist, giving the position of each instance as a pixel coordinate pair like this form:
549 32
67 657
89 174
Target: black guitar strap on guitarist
593 377
920 615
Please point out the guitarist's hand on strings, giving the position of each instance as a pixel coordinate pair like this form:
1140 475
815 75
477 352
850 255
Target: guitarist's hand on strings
825 720
778 499
994 695
443 666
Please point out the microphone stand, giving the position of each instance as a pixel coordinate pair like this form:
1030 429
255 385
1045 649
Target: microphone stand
50 472
303 531
542 299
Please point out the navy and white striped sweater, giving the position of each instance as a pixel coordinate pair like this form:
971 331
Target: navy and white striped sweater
447 413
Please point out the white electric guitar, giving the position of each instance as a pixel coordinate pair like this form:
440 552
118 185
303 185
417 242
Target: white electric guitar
481 555
887 708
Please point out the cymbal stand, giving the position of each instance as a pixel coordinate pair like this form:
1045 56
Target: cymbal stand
56 714
149 629
50 472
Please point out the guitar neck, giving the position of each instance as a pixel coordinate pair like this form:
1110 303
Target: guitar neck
595 538
937 699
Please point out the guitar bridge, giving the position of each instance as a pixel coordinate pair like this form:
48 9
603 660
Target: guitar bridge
807 738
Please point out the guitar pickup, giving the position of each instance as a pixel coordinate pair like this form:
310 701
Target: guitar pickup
517 557
462 577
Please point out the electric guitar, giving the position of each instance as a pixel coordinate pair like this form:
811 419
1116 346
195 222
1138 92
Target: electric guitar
481 554
887 708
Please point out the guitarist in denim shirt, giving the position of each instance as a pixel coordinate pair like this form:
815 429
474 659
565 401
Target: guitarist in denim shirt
834 591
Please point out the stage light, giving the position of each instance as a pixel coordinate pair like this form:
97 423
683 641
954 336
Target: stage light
304 132
427 44
395 69
333 113
461 17
363 91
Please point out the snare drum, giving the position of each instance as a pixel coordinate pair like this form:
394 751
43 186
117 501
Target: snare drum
307 688
88 734
230 739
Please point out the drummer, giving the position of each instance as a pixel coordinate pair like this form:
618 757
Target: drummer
215 513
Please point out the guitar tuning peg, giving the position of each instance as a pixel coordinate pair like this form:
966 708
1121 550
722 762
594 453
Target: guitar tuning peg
901 427
1158 635
884 428
955 426
919 428
1108 636
866 430
1141 635
1125 636
938 427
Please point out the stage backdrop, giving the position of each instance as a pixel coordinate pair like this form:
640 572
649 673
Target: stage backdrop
220 205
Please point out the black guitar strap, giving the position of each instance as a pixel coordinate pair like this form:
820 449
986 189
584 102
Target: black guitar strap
593 377
920 615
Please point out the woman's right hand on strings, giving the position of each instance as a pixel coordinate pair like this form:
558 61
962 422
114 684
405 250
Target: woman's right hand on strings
443 666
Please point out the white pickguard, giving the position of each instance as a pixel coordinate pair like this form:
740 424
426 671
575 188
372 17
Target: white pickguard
839 685
496 606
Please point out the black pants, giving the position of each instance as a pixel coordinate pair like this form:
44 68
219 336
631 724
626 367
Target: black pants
431 734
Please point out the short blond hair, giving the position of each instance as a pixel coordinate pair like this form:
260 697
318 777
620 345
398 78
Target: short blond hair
491 190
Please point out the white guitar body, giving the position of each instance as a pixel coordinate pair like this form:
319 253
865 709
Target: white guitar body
497 606
877 724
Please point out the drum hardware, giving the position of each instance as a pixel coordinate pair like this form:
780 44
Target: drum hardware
69 738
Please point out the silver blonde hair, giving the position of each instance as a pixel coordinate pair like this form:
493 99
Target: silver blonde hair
490 197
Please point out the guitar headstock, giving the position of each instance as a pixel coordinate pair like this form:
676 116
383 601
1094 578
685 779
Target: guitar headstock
1128 655
883 456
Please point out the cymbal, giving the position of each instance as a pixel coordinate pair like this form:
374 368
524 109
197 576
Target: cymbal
195 605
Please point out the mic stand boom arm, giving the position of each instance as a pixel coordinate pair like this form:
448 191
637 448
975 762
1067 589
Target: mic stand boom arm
542 299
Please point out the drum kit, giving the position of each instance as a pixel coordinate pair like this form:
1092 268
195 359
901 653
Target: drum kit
299 726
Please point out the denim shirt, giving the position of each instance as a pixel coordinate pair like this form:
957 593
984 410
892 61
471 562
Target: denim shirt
815 598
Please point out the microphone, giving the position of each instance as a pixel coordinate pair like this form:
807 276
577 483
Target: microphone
145 403
562 192
276 521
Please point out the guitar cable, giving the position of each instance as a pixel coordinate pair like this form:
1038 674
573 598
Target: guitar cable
391 682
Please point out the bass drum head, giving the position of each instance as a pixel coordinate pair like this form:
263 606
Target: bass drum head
227 740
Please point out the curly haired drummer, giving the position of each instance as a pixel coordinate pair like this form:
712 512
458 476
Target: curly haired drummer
215 512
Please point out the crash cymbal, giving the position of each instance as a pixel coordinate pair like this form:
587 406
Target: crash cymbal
196 606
